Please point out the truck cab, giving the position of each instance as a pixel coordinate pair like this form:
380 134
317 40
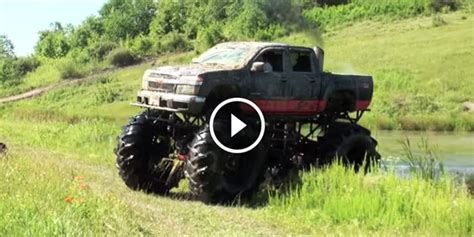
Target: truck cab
279 78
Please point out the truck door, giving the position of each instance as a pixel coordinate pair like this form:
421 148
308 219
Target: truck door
303 81
268 86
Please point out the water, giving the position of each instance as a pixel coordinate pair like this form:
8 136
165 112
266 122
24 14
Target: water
456 150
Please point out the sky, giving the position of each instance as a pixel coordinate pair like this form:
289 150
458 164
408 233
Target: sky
21 20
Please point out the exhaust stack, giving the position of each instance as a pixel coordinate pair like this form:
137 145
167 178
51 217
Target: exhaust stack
320 55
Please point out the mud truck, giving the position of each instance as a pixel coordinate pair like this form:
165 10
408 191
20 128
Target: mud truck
310 120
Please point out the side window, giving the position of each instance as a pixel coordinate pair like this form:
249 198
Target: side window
274 58
300 61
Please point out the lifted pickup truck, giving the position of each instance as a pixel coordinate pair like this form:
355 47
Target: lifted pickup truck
311 120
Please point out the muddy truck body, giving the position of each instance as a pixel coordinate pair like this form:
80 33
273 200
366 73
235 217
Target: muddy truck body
311 120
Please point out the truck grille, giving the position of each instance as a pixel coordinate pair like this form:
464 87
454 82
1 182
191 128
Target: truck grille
161 87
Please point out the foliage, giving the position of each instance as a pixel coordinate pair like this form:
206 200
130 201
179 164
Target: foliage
8 70
6 47
54 43
100 50
141 46
87 33
121 57
330 16
127 19
26 64
68 69
173 42
13 69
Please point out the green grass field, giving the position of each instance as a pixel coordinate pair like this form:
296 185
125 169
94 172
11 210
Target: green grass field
60 179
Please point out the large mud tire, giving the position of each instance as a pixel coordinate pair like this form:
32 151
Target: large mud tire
351 143
218 177
140 150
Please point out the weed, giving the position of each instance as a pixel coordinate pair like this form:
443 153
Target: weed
427 164
68 69
438 21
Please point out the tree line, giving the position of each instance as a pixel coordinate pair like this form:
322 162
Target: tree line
125 31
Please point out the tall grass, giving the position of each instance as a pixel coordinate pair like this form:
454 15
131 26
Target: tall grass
377 202
43 197
427 164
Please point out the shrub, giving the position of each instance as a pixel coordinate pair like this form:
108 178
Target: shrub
440 5
68 69
26 64
208 37
141 46
8 70
121 57
173 42
101 49
80 56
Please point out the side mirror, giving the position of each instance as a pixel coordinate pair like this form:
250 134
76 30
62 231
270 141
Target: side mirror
257 67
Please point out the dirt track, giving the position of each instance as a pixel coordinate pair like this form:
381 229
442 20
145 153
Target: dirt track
39 91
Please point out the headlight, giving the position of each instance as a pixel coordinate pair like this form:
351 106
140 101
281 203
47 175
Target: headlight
187 89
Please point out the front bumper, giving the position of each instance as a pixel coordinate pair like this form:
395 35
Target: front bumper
191 104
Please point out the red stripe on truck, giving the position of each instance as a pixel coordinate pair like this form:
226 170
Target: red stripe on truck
290 107
296 107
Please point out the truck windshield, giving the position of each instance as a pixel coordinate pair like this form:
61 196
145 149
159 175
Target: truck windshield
224 55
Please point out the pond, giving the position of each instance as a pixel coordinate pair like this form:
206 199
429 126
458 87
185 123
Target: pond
456 150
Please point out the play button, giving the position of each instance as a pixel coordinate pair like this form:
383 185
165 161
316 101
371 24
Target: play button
246 132
236 125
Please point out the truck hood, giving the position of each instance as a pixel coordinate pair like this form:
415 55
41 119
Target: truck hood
176 72
168 77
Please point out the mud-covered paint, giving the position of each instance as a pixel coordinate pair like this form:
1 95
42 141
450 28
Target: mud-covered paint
284 92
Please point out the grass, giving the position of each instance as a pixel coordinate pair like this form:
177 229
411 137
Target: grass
376 202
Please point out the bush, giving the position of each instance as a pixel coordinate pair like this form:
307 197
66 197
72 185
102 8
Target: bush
8 70
80 56
141 46
26 64
439 5
121 57
69 69
173 42
101 49
208 37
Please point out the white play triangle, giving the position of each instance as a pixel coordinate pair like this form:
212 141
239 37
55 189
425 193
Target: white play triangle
236 125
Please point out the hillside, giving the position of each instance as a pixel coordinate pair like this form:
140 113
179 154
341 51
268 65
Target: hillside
422 73
59 176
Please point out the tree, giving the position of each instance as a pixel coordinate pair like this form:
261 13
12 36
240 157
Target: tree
6 47
54 43
127 19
